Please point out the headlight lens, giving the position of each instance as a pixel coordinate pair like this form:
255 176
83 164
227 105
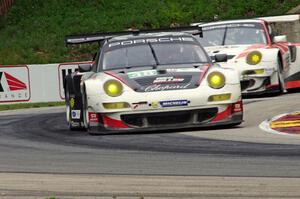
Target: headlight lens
216 80
113 88
253 57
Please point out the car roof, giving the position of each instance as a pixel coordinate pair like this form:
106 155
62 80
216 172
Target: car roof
230 22
150 35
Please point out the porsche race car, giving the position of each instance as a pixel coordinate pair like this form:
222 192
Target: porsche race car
266 62
147 80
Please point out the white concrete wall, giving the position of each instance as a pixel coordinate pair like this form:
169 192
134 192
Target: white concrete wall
33 83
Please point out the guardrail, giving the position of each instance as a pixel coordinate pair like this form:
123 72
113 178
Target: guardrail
5 5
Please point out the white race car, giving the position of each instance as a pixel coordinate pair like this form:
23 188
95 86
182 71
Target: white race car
147 80
266 63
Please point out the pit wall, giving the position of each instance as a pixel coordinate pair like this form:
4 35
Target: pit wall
34 83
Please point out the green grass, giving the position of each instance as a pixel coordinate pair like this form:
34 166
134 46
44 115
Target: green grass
30 105
33 31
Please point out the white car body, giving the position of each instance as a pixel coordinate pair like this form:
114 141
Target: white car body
161 95
279 68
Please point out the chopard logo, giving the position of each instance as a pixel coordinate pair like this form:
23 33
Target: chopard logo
159 87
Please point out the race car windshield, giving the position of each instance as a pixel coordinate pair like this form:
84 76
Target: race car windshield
152 55
233 34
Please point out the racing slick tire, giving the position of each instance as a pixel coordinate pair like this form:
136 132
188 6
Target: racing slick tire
84 110
71 126
281 88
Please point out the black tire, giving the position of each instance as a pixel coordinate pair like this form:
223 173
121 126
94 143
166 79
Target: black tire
281 88
69 110
86 125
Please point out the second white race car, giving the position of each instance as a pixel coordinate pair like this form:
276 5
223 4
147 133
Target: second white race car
266 63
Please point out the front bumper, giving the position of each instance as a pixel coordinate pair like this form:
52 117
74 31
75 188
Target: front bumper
177 119
258 86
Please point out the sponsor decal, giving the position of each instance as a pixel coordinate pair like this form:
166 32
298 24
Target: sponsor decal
182 70
93 117
233 25
160 87
150 40
14 84
72 102
75 114
139 105
162 80
154 104
145 73
75 124
174 103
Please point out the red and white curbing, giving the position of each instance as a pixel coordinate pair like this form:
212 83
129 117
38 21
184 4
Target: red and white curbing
283 124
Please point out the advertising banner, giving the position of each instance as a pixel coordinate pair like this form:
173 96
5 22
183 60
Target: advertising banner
14 84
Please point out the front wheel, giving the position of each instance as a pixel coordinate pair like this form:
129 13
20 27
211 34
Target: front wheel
281 88
85 113
69 105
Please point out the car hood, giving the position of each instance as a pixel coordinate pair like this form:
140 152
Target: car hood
233 51
161 78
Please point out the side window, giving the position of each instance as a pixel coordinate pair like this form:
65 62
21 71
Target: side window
95 60
271 32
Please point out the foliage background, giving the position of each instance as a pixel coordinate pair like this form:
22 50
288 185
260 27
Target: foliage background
33 31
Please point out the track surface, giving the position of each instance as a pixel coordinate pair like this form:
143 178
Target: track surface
38 141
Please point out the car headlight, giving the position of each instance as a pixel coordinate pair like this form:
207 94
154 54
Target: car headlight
253 57
113 88
216 80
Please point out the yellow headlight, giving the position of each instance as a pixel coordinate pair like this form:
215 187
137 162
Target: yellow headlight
216 80
116 105
253 57
113 88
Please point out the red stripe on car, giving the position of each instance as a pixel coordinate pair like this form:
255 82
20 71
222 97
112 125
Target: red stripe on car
113 123
292 84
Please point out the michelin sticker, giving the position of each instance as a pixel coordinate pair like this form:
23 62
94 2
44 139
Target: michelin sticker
174 103
75 114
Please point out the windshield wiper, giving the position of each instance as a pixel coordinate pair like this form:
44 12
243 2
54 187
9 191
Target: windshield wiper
154 55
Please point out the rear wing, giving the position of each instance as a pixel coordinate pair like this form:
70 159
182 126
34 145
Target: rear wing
271 19
282 18
98 37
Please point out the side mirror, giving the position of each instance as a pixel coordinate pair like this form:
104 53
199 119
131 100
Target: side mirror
280 38
221 58
84 67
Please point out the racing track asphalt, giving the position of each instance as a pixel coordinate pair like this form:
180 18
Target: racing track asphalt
38 141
